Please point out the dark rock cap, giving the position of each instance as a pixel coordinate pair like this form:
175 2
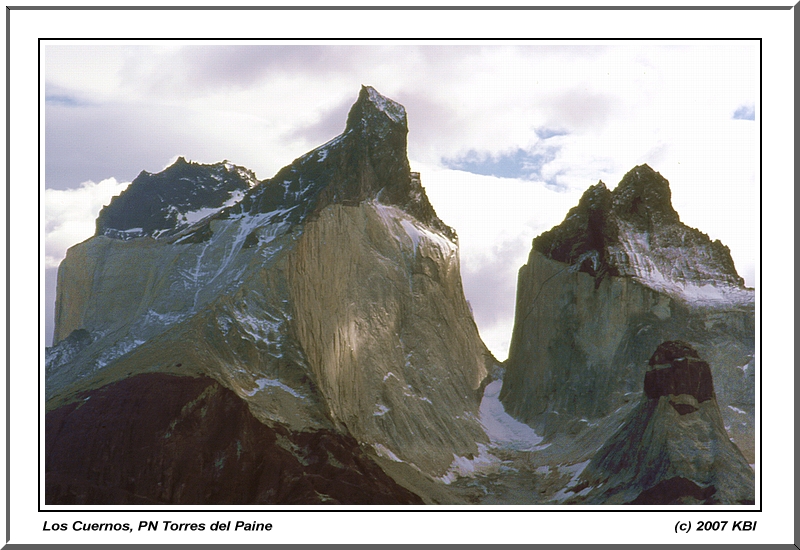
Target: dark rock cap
368 161
155 202
376 113
584 235
643 197
676 369
590 237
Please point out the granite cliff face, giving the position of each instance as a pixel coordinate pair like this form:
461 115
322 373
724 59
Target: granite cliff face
672 448
327 299
599 293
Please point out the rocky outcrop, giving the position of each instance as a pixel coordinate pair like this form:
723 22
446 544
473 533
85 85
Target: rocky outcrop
328 299
634 231
672 448
161 439
599 292
185 192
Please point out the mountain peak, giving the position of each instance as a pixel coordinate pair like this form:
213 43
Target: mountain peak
643 197
634 231
368 162
375 111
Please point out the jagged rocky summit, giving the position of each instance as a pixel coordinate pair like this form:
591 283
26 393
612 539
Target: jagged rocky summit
599 292
186 192
323 308
634 231
672 448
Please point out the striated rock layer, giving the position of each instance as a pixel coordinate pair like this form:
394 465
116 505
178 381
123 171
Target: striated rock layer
672 448
599 292
328 299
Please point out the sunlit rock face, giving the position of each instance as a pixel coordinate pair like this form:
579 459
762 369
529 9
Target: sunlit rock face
325 298
600 291
672 448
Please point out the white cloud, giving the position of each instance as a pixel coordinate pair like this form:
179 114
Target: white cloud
70 215
496 219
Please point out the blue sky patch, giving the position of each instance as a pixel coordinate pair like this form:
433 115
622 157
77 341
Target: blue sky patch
546 133
518 164
61 99
745 112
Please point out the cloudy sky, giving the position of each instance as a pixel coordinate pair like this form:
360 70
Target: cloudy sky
506 137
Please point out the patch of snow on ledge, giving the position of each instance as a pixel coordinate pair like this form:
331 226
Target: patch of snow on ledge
263 383
385 452
195 216
685 275
402 225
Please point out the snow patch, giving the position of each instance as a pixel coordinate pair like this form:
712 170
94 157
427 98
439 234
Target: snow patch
124 234
266 327
483 462
194 216
164 319
321 151
747 366
734 409
503 429
574 470
263 383
403 226
385 453
117 350
395 111
685 273
380 410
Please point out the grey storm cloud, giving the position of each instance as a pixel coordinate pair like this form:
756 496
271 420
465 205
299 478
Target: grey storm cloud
429 118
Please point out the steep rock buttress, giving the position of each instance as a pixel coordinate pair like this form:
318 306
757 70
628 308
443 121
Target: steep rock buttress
326 298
